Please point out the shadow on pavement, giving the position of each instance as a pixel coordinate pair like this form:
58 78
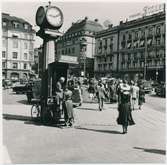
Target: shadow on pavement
16 117
28 120
23 102
88 109
102 131
155 151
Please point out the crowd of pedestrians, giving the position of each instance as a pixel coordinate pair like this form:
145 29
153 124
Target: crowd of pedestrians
128 95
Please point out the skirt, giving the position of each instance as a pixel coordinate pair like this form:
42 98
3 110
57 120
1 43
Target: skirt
125 115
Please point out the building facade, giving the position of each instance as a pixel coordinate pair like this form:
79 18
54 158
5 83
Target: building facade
139 48
79 41
17 47
105 63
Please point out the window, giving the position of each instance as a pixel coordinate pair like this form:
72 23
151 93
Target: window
158 41
123 36
73 50
31 37
69 51
15 43
26 26
15 54
31 46
4 43
3 54
3 64
105 46
129 37
15 25
30 55
25 66
158 30
150 31
136 35
25 56
4 23
25 45
15 65
26 36
142 33
62 51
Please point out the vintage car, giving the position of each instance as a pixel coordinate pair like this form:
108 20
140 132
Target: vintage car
147 86
6 83
160 90
20 88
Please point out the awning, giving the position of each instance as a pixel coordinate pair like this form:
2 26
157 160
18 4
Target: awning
129 45
142 43
149 41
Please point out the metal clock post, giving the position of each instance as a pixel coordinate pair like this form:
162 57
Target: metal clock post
49 19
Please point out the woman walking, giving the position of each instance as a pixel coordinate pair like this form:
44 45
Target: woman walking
141 96
125 116
68 107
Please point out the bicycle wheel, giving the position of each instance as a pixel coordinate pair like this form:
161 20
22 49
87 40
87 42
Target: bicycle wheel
35 111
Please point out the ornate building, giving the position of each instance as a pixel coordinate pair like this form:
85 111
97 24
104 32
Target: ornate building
138 49
17 47
105 63
142 47
79 41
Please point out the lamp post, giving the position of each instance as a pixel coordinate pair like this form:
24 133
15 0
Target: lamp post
83 51
145 59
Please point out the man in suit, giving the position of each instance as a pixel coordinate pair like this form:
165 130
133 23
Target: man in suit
100 95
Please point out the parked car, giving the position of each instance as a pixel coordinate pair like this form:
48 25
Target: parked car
160 90
20 88
147 86
6 83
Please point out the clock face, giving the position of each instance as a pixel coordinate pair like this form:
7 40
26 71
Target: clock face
54 16
40 15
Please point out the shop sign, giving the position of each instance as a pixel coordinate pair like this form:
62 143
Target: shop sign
68 59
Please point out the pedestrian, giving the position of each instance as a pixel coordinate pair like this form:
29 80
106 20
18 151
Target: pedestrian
77 94
91 90
141 95
134 95
101 94
58 99
68 107
125 116
112 92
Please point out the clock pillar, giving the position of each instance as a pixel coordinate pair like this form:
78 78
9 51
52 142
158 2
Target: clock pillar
49 19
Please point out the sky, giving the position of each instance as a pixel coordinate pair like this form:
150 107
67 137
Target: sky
73 10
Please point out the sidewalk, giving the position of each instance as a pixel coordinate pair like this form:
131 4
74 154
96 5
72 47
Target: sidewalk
95 138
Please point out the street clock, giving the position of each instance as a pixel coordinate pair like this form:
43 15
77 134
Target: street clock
50 17
40 15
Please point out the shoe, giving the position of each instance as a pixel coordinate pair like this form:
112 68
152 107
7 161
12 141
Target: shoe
100 109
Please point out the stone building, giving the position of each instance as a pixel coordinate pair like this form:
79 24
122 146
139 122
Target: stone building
134 48
17 47
79 41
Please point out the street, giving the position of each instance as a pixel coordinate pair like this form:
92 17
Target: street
95 137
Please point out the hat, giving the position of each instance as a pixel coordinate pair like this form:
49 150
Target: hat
62 79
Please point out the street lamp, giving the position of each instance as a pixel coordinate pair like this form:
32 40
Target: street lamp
83 51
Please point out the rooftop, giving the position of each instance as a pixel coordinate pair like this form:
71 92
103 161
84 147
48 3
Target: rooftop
6 16
85 24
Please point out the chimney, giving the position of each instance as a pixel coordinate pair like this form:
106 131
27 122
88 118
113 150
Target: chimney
96 20
86 18
121 22
110 26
